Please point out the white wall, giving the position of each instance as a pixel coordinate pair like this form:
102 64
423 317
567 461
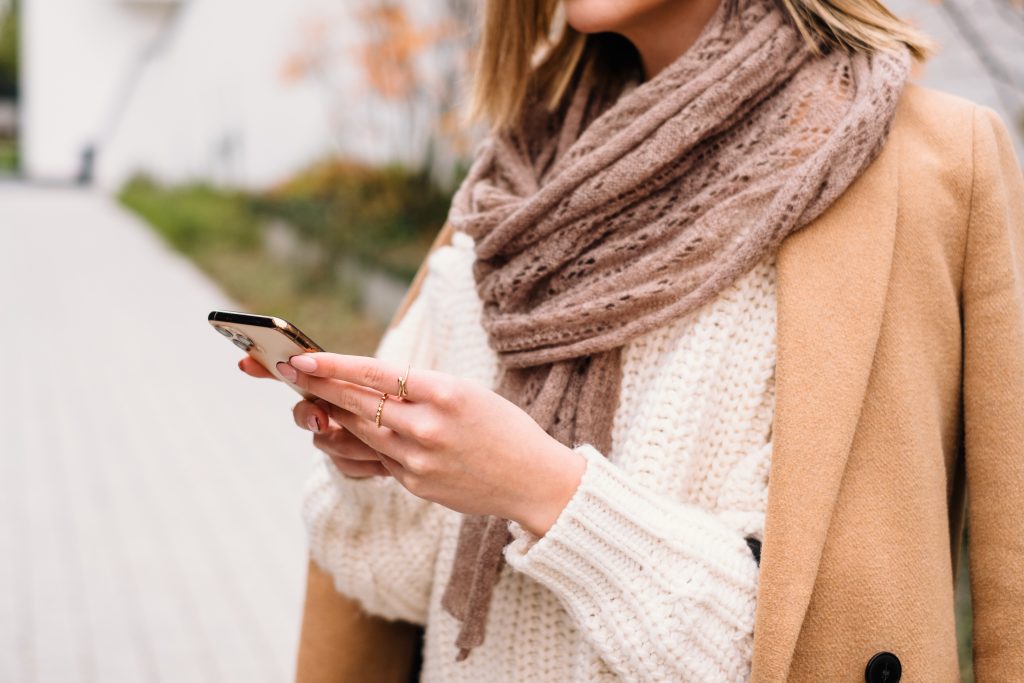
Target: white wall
211 103
73 54
214 105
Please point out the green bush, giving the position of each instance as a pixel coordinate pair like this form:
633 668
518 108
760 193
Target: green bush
8 155
9 51
195 217
384 215
219 231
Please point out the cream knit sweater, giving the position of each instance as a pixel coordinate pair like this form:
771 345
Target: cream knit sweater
646 575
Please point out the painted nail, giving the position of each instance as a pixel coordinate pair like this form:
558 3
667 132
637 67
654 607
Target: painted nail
304 363
287 371
314 423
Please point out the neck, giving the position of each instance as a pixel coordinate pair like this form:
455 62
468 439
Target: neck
668 30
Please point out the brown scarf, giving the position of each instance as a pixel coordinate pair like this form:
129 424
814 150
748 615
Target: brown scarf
612 216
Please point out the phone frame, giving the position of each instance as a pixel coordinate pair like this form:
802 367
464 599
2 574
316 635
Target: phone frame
267 321
264 349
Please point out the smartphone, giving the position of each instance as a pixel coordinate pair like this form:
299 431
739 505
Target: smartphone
268 339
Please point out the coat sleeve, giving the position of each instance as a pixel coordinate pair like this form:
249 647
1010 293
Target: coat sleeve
992 300
661 589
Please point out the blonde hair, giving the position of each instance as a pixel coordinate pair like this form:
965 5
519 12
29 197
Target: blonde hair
527 44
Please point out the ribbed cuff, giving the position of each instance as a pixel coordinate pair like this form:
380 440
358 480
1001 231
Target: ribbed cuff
616 542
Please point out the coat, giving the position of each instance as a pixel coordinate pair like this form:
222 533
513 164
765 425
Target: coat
899 390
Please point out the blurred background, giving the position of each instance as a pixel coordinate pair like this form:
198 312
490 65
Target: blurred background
162 158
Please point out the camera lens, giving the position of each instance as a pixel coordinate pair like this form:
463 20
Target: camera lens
244 345
225 331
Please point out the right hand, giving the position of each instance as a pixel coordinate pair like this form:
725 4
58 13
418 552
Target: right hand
350 455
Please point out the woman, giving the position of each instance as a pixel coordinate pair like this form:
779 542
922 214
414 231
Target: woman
719 280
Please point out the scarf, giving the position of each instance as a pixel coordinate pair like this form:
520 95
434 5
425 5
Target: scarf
611 216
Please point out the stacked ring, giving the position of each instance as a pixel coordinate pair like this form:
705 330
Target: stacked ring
402 391
380 407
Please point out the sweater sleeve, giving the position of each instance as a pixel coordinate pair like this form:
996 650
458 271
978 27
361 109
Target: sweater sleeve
662 590
376 540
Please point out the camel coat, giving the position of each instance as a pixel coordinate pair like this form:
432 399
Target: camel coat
899 389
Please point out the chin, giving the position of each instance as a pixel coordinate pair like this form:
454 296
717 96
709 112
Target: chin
598 16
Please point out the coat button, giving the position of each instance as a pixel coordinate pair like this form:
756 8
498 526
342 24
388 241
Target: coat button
884 667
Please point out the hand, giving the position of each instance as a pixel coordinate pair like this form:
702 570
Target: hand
450 440
352 457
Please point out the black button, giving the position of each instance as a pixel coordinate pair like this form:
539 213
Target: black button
755 548
884 667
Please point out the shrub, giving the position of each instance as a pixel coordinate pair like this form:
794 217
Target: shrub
9 43
386 215
220 232
194 217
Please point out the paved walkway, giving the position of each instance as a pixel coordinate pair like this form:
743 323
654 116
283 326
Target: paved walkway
149 492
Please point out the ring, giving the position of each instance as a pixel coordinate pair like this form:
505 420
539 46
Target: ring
380 407
402 391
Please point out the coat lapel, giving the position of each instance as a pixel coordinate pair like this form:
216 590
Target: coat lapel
832 278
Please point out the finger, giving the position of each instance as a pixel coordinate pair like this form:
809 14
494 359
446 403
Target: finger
420 385
309 415
398 472
252 367
385 442
359 400
360 469
341 443
393 467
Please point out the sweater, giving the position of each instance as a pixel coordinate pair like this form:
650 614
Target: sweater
646 574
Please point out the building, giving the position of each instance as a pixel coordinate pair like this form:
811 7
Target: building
235 92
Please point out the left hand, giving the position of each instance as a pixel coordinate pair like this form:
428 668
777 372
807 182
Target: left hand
450 440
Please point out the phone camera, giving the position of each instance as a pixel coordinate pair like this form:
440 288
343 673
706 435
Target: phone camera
243 342
237 338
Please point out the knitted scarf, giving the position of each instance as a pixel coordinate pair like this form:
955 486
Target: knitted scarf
611 216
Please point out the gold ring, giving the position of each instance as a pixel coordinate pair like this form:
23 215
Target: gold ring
402 391
380 407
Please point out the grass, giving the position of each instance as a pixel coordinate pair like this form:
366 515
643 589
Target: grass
222 233
8 156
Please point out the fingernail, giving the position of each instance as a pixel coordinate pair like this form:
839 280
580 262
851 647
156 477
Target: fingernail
314 423
304 363
287 371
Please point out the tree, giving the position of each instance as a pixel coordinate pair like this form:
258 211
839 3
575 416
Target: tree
409 79
9 52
